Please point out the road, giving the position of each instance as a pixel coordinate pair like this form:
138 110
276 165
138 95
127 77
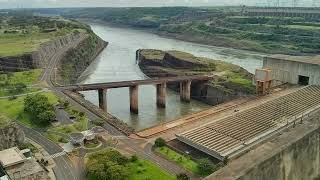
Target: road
64 169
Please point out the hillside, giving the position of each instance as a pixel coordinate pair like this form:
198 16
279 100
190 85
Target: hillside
218 26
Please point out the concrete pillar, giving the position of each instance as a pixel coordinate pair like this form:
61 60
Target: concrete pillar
102 93
185 88
161 95
134 99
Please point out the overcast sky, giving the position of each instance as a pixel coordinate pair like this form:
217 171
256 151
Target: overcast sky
125 3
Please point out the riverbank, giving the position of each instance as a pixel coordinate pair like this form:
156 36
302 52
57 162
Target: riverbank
224 27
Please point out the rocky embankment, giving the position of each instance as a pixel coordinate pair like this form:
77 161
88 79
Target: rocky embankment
77 59
86 47
38 58
230 82
11 134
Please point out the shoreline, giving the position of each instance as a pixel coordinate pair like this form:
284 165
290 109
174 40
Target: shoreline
168 36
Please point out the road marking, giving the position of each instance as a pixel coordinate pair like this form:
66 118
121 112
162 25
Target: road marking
57 155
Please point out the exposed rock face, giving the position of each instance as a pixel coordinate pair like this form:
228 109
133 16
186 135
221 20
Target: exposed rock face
181 60
156 63
10 136
77 59
39 58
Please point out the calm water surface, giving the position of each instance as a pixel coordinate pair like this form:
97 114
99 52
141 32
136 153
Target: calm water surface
117 63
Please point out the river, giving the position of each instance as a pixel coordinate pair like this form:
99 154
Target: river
117 63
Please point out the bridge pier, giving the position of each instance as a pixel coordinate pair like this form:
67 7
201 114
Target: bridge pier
133 90
185 88
102 94
161 95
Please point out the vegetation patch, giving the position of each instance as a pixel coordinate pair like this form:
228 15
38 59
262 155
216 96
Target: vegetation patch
55 138
12 84
22 32
14 109
110 164
184 161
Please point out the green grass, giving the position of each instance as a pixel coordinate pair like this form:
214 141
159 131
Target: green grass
14 109
26 77
18 44
182 160
4 92
143 169
8 81
55 138
4 121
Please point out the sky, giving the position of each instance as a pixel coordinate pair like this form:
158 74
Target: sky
131 3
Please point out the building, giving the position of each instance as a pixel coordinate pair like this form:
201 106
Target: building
18 164
282 12
303 70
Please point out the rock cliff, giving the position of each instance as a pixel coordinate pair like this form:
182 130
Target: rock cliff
10 136
39 58
231 81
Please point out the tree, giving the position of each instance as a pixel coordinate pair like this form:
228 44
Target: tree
39 107
159 142
108 165
182 176
205 166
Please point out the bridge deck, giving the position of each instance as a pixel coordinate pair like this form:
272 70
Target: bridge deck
109 85
230 135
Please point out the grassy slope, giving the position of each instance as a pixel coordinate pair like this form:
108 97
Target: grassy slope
14 108
183 161
148 170
26 77
18 44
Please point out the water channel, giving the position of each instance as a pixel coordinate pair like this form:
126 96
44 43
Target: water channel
117 63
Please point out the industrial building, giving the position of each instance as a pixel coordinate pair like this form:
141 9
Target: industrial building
19 164
303 70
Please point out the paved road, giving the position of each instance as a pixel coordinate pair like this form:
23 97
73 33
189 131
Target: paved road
96 86
64 169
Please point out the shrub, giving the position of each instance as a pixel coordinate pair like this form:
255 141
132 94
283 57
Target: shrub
134 158
98 122
182 176
205 167
159 142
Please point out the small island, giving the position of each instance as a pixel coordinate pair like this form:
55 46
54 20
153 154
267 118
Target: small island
230 82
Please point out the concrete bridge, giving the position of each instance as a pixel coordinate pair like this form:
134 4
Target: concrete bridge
161 84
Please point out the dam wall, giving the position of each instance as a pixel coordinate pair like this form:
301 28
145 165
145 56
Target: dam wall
293 155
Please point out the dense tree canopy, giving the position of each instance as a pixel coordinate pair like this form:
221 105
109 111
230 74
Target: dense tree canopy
40 108
108 165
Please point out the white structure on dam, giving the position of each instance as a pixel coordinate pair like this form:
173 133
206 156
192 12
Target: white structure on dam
303 70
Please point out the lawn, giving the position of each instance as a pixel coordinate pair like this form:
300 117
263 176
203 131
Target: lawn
18 44
26 77
55 138
143 169
9 83
182 160
14 108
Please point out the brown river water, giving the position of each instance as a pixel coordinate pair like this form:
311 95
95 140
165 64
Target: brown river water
117 63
